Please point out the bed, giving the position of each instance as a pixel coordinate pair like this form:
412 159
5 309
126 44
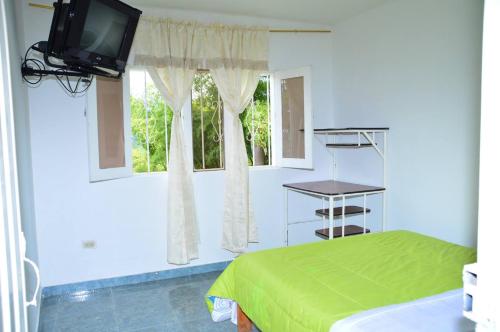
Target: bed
310 287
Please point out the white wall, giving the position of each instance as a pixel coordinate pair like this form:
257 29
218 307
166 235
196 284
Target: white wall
415 66
127 217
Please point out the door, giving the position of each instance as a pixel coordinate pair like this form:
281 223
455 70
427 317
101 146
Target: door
13 315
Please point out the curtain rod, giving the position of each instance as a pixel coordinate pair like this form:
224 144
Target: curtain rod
39 5
299 31
42 6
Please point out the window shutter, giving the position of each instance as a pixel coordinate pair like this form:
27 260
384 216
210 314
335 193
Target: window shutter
291 102
108 129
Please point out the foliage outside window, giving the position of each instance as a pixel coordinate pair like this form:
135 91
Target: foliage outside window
207 123
152 120
151 124
256 120
207 120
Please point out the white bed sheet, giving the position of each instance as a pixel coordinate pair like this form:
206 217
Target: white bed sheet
442 312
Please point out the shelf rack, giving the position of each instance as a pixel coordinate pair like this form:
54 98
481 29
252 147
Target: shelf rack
349 230
348 145
331 191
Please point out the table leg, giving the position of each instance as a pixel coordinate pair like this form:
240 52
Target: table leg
330 217
343 216
364 214
285 226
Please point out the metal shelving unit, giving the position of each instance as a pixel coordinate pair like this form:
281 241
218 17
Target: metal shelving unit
330 191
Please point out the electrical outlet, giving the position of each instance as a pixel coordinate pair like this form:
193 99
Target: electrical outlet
88 244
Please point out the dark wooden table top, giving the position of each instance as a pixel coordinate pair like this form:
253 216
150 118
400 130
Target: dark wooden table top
332 188
351 128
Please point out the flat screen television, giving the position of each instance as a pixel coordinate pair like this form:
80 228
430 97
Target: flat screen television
92 35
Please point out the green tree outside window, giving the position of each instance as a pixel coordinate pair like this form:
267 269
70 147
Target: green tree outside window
154 133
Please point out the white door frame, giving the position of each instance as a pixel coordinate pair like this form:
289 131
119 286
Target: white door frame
12 286
487 304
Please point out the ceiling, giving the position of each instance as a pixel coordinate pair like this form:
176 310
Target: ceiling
326 12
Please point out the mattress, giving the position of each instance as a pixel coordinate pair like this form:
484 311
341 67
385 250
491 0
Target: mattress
312 286
439 313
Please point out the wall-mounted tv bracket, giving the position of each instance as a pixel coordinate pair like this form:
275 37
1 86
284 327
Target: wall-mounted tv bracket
66 70
33 70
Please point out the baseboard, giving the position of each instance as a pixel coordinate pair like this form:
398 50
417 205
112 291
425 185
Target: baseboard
132 279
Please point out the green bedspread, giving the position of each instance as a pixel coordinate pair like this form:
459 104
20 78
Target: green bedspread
311 286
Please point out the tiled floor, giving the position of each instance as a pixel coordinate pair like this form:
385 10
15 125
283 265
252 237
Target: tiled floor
171 305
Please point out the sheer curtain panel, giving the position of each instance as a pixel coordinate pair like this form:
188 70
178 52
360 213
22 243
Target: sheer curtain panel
237 58
168 50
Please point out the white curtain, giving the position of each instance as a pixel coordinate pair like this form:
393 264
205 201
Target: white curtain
167 49
237 58
236 87
182 228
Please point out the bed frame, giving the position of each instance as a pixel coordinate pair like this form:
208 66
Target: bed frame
244 323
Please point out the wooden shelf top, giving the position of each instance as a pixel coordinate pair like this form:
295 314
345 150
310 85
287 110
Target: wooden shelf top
349 130
348 145
349 230
332 188
337 212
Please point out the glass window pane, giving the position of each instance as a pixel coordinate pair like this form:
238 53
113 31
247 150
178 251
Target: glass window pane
110 123
255 121
292 108
207 126
156 128
150 132
196 113
138 122
213 138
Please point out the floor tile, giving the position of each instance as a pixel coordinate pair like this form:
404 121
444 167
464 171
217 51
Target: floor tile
203 325
49 308
185 294
136 287
210 276
173 305
95 324
46 325
173 327
140 308
87 311
172 283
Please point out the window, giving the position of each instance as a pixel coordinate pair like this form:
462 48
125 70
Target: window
108 129
151 121
208 129
293 115
110 123
256 120
207 123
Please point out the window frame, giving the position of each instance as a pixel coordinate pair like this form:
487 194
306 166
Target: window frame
190 131
95 172
167 129
187 128
270 128
277 139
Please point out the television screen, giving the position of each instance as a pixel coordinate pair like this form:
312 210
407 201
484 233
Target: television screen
103 30
91 35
